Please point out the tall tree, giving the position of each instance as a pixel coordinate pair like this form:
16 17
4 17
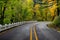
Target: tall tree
58 9
3 11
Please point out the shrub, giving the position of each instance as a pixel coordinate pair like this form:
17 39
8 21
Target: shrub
57 21
6 21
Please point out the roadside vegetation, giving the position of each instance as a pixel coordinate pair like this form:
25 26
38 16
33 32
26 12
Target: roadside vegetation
26 10
56 22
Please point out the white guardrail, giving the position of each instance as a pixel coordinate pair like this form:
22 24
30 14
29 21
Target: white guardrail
8 26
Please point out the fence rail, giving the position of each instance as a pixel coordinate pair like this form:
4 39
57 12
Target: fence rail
8 26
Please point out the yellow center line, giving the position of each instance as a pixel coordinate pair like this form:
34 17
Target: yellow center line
31 33
35 33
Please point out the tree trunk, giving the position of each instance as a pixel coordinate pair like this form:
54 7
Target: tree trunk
2 14
58 11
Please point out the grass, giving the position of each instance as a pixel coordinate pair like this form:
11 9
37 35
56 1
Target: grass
54 26
55 23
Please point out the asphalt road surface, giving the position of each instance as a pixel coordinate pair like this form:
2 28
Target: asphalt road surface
32 31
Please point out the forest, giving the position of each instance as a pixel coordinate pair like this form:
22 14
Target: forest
29 10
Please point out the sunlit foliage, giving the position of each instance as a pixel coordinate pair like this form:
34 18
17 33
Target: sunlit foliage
25 10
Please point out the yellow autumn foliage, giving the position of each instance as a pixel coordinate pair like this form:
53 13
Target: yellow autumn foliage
49 0
52 9
28 1
37 6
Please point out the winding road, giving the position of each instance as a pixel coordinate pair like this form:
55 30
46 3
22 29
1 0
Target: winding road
31 31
